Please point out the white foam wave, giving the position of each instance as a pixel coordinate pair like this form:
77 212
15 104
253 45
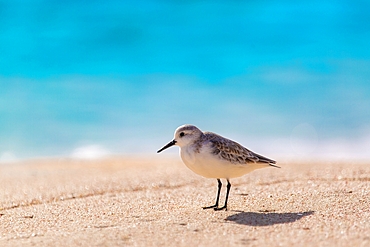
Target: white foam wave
7 157
90 152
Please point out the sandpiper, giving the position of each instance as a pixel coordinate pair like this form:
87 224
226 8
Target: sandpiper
213 156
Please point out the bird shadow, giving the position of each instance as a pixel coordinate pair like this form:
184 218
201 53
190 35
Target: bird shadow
266 219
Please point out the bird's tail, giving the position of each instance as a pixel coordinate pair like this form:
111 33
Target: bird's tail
263 159
274 165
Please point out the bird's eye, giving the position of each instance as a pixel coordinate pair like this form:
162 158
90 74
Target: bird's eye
182 134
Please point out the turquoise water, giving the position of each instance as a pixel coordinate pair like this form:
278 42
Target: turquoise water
90 77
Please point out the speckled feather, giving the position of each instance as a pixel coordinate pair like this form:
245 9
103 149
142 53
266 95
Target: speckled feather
230 150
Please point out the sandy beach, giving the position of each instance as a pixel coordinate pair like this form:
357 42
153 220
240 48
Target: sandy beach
157 201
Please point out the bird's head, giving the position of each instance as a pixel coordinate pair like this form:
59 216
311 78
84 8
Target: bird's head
184 135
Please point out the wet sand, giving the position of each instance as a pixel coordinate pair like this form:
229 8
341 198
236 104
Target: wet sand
157 201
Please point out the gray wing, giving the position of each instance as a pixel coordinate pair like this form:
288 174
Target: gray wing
234 152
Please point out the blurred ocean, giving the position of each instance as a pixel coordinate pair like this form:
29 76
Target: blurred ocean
91 78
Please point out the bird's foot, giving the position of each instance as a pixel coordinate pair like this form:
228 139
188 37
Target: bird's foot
222 208
213 206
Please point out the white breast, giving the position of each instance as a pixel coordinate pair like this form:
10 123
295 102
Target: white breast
208 165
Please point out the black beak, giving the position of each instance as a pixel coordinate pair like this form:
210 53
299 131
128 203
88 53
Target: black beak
170 144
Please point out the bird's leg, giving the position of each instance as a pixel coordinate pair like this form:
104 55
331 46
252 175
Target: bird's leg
227 196
218 195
